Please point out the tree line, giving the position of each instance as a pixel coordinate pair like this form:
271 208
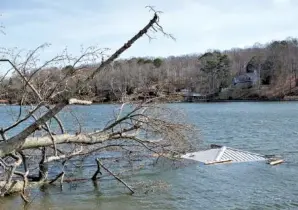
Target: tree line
205 73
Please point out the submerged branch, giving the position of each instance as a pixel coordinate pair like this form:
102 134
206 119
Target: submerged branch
115 176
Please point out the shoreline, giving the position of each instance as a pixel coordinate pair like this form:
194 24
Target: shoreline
244 100
187 102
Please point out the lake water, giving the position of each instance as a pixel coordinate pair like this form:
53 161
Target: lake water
266 128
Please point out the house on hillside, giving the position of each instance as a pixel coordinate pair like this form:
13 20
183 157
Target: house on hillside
246 80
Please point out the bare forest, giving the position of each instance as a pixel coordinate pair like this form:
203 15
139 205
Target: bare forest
143 77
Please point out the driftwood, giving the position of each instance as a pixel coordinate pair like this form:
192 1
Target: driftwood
79 102
275 162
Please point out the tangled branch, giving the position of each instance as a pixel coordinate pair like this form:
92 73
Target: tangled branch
137 126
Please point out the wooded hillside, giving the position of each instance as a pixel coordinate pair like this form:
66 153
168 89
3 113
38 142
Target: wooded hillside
206 73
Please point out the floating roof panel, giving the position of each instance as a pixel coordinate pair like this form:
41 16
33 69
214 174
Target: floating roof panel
223 154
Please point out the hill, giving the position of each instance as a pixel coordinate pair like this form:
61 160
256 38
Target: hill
210 74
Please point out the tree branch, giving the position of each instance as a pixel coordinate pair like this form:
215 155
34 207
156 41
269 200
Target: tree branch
115 176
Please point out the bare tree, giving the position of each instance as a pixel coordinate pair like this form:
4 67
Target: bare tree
138 125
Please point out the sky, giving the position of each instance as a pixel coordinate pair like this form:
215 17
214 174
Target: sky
198 25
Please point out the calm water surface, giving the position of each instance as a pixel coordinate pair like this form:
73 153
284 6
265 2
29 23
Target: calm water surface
266 128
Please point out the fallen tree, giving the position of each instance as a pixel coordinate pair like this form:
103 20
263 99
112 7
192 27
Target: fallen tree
137 125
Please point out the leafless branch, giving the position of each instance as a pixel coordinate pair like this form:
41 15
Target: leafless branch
136 126
115 176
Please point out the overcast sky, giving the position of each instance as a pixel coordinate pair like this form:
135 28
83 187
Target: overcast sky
198 25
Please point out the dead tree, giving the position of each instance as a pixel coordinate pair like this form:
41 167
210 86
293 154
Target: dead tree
139 124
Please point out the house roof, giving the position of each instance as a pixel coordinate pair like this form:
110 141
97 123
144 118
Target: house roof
223 154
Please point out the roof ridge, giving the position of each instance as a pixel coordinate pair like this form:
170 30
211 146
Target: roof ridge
220 153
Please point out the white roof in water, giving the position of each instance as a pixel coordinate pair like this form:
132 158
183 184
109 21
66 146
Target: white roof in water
223 154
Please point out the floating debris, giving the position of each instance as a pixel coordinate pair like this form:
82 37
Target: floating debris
222 154
275 162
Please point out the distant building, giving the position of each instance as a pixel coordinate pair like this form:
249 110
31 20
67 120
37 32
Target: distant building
246 80
2 101
190 96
